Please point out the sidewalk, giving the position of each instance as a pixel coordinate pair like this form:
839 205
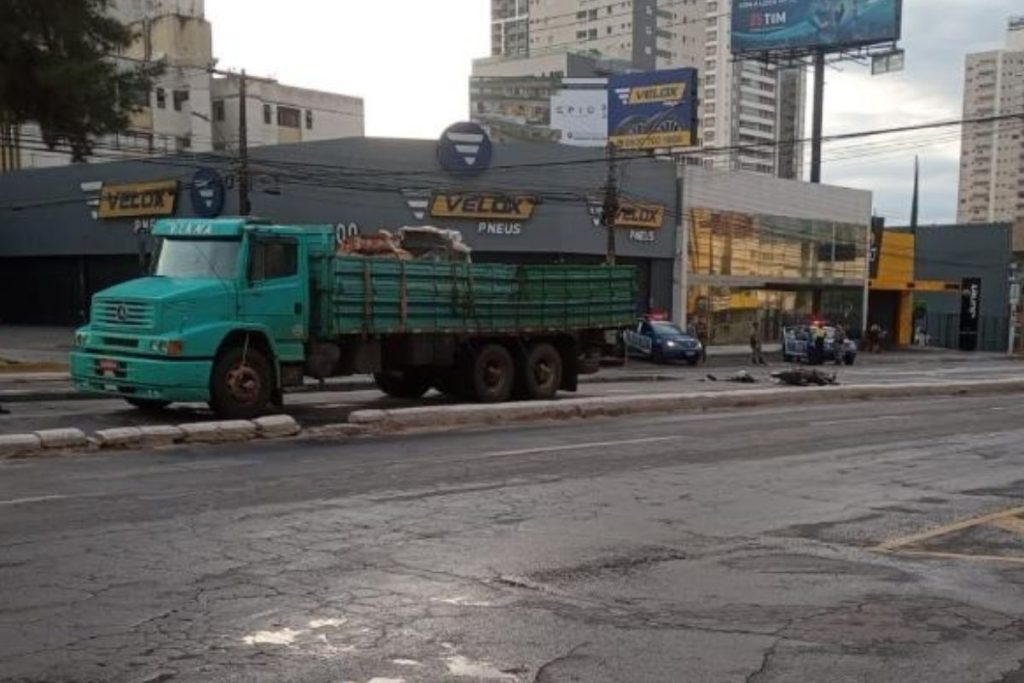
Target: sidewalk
35 347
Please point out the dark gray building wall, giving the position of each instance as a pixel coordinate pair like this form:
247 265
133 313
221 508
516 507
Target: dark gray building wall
953 252
358 184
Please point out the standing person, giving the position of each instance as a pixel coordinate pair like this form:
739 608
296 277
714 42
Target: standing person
756 357
838 342
874 338
819 345
702 337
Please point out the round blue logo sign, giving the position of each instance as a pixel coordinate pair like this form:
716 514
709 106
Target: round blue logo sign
464 147
207 193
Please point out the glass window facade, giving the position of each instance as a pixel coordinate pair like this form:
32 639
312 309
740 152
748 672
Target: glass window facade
772 270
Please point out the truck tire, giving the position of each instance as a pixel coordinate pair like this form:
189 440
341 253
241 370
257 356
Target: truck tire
493 374
541 372
403 383
148 405
241 390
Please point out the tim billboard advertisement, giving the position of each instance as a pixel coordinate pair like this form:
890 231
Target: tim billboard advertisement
653 110
766 25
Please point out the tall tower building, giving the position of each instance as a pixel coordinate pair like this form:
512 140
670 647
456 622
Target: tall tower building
742 105
510 32
992 152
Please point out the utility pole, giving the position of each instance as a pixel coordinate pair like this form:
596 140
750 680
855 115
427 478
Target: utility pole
244 208
610 208
817 115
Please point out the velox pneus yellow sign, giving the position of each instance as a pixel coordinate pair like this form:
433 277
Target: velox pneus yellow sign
138 199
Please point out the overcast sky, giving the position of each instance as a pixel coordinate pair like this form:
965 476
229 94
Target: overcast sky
410 60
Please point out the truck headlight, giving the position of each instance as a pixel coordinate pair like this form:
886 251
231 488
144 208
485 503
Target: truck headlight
165 347
81 339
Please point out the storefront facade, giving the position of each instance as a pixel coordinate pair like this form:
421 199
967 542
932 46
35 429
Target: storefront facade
773 252
757 248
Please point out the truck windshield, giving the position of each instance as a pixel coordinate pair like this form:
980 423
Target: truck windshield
198 258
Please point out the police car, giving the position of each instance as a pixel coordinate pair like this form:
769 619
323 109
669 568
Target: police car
798 343
662 342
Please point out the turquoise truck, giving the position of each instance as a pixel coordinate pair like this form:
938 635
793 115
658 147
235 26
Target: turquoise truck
238 310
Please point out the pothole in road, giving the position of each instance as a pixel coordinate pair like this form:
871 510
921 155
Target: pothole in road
625 563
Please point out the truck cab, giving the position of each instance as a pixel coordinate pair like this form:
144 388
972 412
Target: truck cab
223 318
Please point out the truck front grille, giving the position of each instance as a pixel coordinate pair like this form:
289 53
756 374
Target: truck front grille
113 313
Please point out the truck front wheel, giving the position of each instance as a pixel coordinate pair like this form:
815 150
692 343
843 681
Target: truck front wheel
403 383
242 383
494 374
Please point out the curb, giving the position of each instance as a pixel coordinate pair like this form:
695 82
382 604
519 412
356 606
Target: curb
36 396
63 441
434 418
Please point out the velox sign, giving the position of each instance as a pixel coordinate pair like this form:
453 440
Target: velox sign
138 199
483 206
653 110
464 147
632 215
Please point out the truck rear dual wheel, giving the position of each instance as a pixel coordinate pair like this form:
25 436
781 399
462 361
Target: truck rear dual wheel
403 383
541 373
242 383
495 376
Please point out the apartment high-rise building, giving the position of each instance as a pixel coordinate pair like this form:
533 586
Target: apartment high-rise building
751 114
510 28
992 152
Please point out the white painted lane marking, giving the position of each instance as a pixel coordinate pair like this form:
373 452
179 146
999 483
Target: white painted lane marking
36 499
582 446
855 420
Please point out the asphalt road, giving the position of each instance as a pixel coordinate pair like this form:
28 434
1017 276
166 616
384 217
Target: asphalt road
315 409
726 546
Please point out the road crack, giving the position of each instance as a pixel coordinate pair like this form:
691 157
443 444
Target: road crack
561 658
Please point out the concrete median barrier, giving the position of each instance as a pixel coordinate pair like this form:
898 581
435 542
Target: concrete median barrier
219 432
445 417
276 426
15 445
120 437
54 439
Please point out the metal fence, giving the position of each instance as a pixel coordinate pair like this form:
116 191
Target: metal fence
943 330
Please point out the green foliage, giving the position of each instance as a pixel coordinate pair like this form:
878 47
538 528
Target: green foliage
56 69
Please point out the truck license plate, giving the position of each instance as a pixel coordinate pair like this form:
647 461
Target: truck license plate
108 366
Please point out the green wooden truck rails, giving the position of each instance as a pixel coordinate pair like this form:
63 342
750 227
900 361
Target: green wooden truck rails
238 310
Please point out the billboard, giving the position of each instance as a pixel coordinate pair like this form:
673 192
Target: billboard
581 117
767 25
653 110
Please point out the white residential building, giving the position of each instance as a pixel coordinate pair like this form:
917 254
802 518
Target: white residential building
742 105
190 109
992 153
279 114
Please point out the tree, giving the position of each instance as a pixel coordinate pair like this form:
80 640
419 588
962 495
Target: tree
57 68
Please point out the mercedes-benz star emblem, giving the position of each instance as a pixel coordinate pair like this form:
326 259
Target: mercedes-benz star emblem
121 312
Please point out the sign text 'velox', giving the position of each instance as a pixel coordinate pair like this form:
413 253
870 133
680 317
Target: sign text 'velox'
138 199
483 206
